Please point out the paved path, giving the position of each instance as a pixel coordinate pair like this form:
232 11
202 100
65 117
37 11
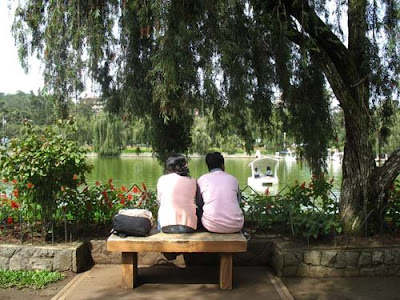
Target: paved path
166 282
170 282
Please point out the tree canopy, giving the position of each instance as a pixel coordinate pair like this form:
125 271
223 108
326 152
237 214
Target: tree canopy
163 59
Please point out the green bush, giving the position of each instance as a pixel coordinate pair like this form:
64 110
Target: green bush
306 211
39 164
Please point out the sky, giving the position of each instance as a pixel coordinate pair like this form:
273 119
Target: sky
12 76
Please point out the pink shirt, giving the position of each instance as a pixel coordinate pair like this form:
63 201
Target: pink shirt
176 195
221 210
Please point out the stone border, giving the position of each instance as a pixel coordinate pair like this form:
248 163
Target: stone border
73 257
289 259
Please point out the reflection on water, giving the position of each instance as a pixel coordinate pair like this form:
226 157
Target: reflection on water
129 170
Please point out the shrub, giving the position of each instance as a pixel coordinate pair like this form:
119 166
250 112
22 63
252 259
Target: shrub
40 163
306 211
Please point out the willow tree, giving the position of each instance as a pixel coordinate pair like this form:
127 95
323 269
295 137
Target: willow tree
163 59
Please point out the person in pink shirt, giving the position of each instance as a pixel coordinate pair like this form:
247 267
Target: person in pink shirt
176 193
221 196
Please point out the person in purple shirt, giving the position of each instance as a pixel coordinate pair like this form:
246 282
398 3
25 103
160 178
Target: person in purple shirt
220 197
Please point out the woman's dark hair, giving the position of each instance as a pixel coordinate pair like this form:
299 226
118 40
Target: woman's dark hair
176 163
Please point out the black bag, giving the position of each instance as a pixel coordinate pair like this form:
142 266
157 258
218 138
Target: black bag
131 226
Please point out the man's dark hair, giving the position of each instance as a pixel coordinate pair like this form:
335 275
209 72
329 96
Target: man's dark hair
214 160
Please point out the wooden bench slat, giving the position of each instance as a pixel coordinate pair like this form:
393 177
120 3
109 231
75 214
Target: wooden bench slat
192 242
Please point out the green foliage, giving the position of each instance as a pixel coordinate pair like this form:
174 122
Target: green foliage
28 279
200 136
108 136
306 211
40 163
392 214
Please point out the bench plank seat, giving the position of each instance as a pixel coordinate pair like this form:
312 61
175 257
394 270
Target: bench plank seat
224 244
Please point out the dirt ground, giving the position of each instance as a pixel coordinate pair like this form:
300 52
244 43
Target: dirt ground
40 294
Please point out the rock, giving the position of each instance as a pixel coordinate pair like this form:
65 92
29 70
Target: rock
8 251
389 257
318 271
4 263
312 257
40 264
63 260
352 258
365 259
290 259
341 261
328 258
303 270
377 257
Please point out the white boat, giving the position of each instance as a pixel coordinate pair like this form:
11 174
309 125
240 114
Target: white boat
287 155
259 181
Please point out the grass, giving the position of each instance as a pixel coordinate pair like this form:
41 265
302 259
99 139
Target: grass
28 279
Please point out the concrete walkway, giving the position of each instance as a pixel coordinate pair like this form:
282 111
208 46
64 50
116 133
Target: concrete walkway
168 282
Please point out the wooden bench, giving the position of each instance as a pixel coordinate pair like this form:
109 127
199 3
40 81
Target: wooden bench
224 244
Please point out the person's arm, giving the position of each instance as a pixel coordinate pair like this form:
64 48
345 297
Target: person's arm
199 202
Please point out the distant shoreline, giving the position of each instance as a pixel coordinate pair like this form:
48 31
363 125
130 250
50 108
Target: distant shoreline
194 155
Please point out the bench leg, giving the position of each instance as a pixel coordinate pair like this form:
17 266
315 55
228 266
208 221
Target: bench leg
225 271
129 269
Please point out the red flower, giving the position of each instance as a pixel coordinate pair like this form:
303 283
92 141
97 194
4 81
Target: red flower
122 200
30 185
140 203
266 192
75 177
14 181
144 186
97 183
303 185
105 195
135 190
15 193
5 180
124 189
110 180
14 204
10 220
130 197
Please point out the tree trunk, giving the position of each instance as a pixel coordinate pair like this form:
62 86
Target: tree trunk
358 168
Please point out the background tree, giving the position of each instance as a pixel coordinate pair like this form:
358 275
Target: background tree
233 56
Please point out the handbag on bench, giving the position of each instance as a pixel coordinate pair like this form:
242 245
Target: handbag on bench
132 222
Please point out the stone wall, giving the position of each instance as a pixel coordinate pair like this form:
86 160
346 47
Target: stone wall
286 257
289 259
73 257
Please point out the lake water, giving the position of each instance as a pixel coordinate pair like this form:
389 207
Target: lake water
129 170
